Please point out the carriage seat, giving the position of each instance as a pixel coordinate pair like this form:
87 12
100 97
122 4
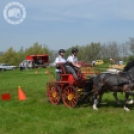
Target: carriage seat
65 75
62 68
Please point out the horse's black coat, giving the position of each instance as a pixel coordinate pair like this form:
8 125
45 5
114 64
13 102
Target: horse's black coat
121 82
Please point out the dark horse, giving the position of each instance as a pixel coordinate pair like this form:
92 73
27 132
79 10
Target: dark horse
121 82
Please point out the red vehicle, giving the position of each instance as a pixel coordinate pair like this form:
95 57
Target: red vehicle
69 90
41 60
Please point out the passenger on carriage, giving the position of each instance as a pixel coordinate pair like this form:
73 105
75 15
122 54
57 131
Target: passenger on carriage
59 60
72 63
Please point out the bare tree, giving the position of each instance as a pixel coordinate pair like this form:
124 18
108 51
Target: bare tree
131 43
124 49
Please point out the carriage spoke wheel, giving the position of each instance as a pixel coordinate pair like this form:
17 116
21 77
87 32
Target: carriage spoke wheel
54 94
70 96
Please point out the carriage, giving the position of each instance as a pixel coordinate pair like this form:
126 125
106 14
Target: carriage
71 91
68 90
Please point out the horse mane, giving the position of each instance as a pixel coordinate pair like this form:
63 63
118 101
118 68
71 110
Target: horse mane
128 66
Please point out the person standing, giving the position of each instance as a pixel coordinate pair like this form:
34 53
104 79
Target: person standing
73 65
21 66
59 60
93 63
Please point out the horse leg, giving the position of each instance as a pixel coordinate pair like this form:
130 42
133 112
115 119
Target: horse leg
116 98
100 98
95 102
130 101
97 91
129 92
126 102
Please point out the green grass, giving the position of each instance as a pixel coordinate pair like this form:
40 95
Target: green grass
37 115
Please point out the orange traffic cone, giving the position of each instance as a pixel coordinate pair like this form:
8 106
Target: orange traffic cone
21 95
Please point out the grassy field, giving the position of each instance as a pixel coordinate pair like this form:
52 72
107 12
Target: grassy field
37 116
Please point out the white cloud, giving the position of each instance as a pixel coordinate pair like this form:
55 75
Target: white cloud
62 10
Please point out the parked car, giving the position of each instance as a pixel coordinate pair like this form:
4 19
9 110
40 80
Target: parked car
99 62
5 66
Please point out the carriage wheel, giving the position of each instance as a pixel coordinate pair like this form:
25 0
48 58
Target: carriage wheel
54 94
70 96
48 85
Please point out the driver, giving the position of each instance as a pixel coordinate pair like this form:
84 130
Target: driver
73 65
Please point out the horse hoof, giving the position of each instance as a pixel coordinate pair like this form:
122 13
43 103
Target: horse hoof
130 102
126 109
95 108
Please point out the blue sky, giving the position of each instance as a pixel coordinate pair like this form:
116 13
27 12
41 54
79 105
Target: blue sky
64 23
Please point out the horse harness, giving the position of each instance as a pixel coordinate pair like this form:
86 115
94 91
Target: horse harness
121 82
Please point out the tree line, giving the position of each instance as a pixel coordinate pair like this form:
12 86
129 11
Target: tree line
89 52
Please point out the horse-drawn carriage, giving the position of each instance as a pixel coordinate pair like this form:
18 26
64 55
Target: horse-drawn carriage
69 90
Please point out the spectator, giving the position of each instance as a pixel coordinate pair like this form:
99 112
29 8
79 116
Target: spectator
21 66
